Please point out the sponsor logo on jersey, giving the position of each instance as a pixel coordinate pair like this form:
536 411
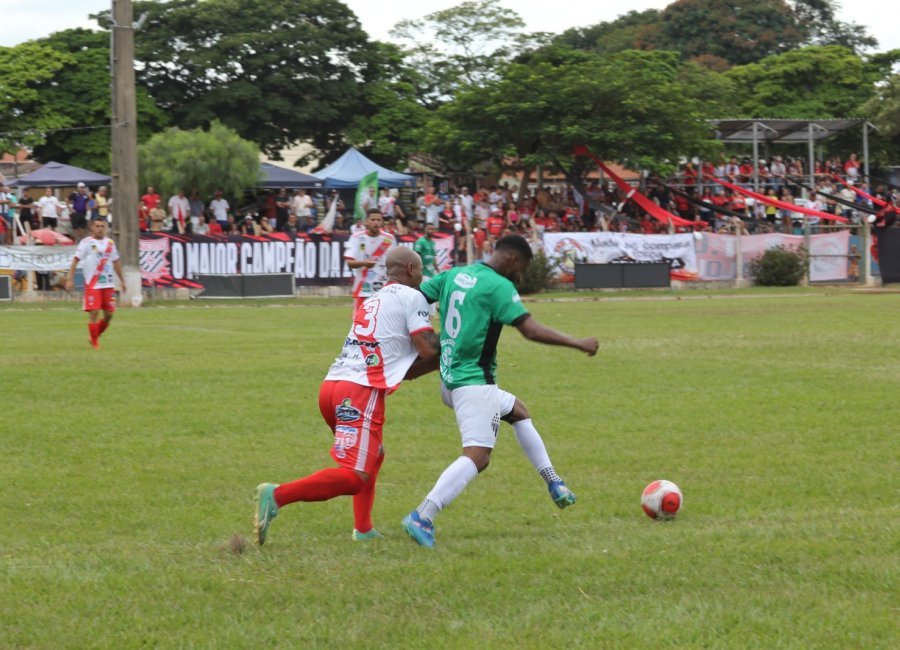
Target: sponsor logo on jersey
346 412
372 360
465 280
447 346
363 344
517 298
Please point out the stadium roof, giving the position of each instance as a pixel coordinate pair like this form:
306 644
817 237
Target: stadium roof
782 130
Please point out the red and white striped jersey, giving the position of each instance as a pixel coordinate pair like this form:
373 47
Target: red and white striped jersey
90 252
378 349
362 247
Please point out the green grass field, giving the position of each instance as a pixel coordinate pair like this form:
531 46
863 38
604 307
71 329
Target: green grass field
125 473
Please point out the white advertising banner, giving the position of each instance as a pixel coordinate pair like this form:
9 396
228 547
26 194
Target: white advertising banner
828 256
36 258
564 250
716 254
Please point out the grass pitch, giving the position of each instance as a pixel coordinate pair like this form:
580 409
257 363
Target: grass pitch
127 479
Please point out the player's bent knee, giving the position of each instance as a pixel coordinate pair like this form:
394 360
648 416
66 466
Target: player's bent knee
519 412
480 456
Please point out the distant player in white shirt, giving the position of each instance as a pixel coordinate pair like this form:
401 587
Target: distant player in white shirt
391 339
366 254
99 258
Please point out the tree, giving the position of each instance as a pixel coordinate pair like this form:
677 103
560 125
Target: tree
812 82
26 118
217 159
632 106
385 128
738 32
79 94
624 33
883 110
819 20
275 71
720 34
457 47
388 132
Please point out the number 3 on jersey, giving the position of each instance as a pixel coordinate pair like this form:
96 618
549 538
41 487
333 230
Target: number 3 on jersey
366 317
453 321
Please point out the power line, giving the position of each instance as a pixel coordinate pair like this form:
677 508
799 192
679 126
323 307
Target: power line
69 128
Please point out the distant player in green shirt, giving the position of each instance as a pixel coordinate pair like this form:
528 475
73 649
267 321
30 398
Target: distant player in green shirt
476 301
424 246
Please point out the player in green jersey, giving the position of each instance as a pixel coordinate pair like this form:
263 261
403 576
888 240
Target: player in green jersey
476 301
424 246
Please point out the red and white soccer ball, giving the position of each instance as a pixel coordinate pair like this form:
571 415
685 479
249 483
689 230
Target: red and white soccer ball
661 500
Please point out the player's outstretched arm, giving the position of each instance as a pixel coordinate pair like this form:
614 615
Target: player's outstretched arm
534 331
426 344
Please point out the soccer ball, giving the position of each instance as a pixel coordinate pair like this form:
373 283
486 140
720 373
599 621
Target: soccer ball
661 500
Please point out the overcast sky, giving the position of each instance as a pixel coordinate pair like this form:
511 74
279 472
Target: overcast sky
22 20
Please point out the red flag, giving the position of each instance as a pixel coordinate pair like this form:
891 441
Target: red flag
873 199
779 204
632 193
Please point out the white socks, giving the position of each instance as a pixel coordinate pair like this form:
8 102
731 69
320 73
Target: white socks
460 473
449 485
532 444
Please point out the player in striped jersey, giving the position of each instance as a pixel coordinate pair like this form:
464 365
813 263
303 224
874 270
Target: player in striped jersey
391 339
366 256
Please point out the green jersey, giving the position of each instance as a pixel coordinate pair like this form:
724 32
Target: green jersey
425 248
476 302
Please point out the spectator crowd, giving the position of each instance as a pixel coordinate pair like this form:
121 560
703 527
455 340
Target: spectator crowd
477 216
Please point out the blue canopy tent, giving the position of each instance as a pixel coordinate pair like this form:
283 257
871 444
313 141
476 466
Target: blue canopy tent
346 172
55 174
274 177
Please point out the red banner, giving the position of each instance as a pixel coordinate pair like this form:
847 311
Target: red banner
793 207
874 200
633 194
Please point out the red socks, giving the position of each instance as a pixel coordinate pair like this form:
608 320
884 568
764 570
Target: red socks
362 502
96 329
329 483
320 486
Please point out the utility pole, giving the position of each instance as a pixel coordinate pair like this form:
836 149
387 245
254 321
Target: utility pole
124 146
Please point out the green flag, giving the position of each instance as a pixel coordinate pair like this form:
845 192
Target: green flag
362 192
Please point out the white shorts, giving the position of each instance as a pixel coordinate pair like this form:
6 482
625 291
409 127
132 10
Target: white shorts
478 412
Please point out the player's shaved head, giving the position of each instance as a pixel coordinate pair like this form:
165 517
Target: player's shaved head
399 256
404 266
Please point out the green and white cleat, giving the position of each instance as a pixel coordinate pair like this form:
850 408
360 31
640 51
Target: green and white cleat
266 510
562 496
365 537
